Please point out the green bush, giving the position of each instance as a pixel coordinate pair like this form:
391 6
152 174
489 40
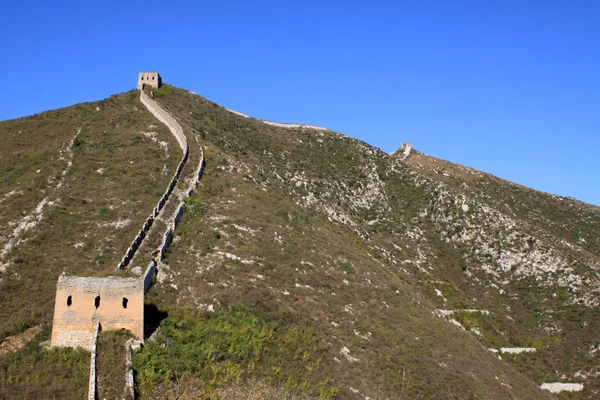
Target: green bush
33 372
110 363
163 91
228 348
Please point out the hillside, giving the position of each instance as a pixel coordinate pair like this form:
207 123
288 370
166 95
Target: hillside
308 264
75 186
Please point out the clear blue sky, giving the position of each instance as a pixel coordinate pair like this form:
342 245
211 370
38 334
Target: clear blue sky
508 87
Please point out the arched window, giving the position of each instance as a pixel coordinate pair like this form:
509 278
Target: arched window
69 301
142 78
97 301
125 301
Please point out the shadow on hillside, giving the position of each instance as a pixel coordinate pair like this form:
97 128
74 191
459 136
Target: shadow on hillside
152 319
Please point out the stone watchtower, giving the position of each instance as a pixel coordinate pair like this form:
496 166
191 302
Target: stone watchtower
149 78
114 302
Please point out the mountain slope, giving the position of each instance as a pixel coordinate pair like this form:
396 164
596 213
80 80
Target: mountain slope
334 232
307 264
75 186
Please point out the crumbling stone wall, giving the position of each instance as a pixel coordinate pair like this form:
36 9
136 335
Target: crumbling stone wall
173 221
197 174
85 305
167 239
149 275
282 124
81 302
92 383
130 345
114 303
149 78
177 131
403 152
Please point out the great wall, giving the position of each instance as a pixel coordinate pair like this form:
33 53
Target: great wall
280 124
86 305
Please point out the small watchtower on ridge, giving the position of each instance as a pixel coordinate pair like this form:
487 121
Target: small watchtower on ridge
149 78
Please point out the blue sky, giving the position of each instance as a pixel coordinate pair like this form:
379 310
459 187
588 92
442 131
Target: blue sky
507 87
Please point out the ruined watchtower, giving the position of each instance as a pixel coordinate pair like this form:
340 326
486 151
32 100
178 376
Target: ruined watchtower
114 302
149 78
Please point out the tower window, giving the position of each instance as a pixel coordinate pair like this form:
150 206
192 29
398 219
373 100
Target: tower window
125 301
97 301
69 301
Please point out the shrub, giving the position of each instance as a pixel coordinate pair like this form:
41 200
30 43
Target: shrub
229 347
163 91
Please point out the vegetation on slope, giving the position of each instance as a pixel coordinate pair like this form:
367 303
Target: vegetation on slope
34 372
229 347
111 364
309 264
305 222
73 207
531 260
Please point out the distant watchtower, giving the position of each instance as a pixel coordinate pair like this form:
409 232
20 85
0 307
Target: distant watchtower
149 78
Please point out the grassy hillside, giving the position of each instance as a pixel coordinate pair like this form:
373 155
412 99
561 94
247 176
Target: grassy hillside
330 232
75 186
307 264
34 372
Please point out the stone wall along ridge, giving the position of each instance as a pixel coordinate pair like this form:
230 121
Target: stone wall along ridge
172 222
164 117
129 381
171 226
281 124
177 131
76 296
149 275
92 384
